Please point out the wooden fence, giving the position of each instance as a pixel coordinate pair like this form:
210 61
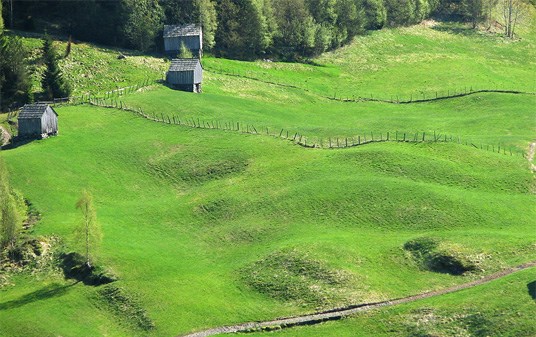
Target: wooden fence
308 142
80 99
418 97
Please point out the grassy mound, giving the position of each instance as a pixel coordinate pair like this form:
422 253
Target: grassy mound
178 166
291 275
482 311
125 307
182 209
439 256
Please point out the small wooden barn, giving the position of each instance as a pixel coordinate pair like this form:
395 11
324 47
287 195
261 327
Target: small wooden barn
191 35
37 121
185 74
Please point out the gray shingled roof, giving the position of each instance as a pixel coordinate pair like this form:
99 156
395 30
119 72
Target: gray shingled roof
181 30
183 64
33 110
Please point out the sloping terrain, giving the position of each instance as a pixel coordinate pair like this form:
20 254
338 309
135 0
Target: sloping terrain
206 227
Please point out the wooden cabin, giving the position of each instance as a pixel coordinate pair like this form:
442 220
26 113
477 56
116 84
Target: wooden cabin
175 35
37 120
185 75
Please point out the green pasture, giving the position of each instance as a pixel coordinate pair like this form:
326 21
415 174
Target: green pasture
501 308
210 227
181 245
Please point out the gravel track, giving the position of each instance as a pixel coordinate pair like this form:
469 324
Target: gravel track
338 313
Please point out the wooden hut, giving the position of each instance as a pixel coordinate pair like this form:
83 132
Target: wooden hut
185 74
37 121
175 35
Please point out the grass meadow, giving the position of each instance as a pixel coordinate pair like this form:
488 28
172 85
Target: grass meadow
210 227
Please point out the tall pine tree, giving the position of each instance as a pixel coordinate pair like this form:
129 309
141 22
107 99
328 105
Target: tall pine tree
53 82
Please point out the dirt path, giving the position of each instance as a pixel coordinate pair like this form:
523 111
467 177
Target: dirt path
339 313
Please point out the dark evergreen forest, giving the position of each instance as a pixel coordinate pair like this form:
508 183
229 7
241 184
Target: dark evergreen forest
244 29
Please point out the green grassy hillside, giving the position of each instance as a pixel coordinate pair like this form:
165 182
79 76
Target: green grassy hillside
210 227
182 247
483 311
94 69
406 62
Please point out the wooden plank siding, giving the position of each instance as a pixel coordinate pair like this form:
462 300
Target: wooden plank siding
49 122
37 120
185 74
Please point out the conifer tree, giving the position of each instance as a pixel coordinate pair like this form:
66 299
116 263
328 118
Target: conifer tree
53 82
184 52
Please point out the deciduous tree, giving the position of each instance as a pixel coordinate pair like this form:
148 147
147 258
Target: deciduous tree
184 52
142 21
1 18
88 232
512 11
10 218
208 20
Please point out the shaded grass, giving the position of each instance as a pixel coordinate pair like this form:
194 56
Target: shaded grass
442 257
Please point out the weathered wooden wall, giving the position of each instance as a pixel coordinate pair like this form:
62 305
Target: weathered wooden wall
35 127
185 77
49 122
30 127
180 77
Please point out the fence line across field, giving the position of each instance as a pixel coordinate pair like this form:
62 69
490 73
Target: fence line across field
110 99
302 140
416 97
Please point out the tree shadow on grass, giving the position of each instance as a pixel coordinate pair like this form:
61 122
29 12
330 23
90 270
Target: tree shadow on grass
463 30
47 292
532 289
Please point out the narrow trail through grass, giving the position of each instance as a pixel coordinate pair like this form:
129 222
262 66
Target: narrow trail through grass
338 313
